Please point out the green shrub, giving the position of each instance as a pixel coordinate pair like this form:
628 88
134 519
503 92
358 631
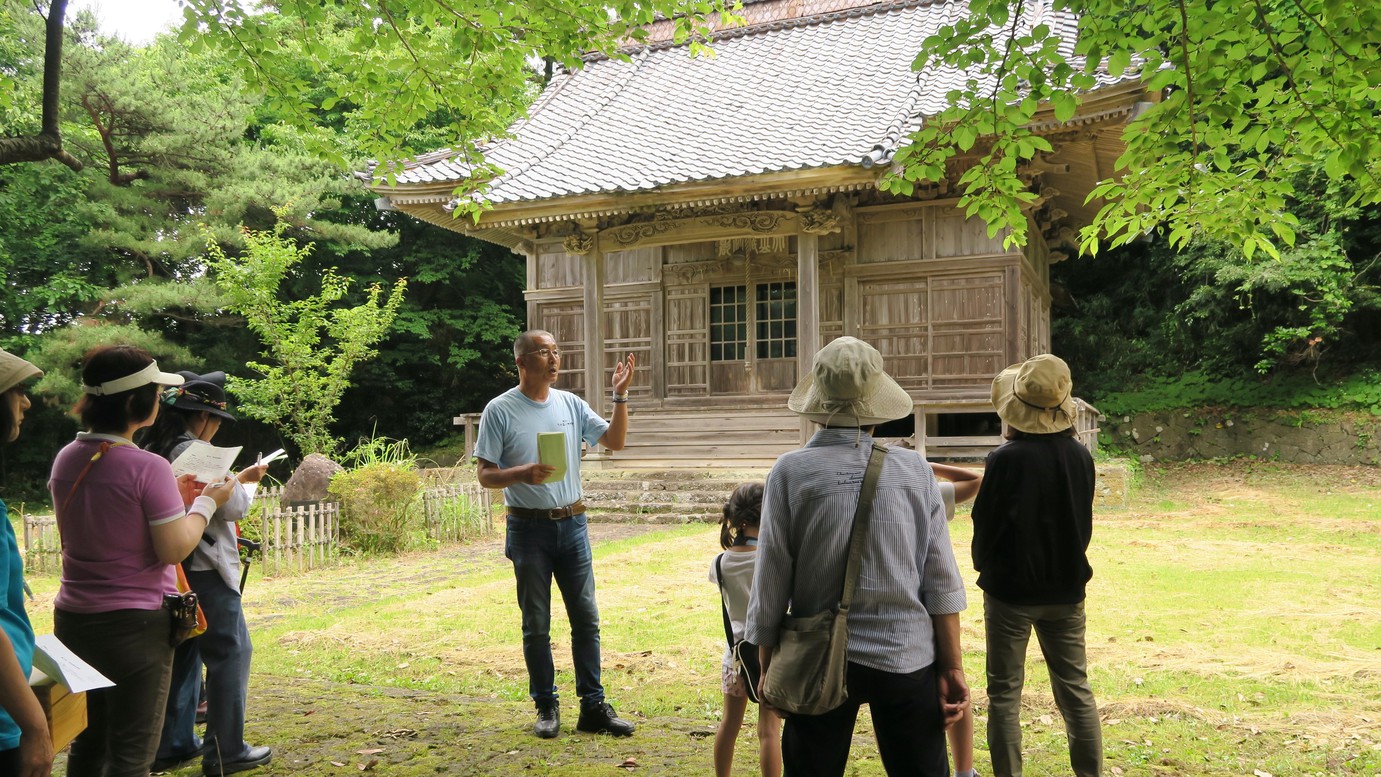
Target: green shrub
379 505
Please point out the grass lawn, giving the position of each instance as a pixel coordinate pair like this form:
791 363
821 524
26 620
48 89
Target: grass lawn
1234 628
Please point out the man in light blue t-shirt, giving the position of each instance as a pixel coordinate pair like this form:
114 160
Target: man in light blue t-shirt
546 534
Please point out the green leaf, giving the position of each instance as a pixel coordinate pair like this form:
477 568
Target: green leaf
1118 62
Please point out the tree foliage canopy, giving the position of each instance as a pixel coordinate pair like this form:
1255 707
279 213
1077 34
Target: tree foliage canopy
311 344
1255 94
397 70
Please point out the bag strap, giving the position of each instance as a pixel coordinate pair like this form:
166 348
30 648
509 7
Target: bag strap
723 601
859 533
106 445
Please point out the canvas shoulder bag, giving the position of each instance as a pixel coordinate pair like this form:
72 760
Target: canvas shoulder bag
806 676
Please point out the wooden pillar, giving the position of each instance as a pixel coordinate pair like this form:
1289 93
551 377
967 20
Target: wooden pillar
594 320
807 309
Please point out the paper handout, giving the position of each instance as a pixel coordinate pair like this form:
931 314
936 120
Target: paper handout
272 457
207 462
551 451
53 659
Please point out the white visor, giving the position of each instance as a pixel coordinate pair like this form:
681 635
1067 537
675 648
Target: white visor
144 377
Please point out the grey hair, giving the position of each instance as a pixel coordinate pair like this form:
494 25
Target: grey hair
524 342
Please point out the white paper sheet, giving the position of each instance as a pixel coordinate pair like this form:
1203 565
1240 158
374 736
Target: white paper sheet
53 659
207 462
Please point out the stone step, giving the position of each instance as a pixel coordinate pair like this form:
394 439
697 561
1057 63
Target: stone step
666 486
668 518
652 499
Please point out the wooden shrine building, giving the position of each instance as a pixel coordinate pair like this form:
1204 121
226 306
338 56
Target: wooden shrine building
720 219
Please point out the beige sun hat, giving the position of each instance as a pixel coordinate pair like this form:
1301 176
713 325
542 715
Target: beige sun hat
1036 396
848 387
14 370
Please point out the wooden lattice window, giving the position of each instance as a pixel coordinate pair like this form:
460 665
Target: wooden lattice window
728 323
776 320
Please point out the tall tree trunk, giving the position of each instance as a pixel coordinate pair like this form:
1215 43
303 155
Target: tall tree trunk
47 144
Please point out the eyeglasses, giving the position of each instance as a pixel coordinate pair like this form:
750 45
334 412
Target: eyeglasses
554 353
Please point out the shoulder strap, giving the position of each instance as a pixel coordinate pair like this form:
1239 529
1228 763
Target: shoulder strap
105 447
723 601
859 533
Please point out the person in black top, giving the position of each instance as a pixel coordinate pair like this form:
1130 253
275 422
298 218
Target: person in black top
1032 522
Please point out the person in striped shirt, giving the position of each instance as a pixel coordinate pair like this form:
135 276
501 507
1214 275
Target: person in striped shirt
904 658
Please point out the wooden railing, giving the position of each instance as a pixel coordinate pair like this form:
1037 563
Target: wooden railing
1085 426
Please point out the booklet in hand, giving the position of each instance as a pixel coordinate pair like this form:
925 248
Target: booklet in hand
207 462
551 451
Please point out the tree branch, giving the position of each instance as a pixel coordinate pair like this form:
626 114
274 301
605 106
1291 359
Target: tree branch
47 144
1188 79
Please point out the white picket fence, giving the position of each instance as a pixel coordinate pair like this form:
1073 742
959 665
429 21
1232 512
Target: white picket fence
296 539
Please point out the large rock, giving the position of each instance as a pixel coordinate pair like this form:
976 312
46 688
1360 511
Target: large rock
310 480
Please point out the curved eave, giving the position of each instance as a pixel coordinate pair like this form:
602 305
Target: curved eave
1090 149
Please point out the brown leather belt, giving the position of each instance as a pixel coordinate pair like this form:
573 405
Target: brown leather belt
555 514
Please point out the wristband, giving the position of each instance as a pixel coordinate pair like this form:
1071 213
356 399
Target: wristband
621 398
204 506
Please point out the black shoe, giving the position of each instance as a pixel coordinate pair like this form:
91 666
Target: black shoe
602 719
548 724
173 762
253 758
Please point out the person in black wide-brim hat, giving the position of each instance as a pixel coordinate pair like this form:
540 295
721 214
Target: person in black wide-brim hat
193 413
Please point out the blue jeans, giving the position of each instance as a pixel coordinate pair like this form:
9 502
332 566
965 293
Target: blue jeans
541 548
226 651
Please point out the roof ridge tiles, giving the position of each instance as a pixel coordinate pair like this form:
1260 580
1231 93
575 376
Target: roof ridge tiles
775 25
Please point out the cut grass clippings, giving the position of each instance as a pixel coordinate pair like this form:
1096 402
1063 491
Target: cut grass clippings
1234 628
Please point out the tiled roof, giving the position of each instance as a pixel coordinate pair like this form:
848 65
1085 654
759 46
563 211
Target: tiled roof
832 89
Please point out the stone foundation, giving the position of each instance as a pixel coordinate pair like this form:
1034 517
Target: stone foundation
1294 436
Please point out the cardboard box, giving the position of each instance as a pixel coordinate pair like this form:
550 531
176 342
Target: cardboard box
65 711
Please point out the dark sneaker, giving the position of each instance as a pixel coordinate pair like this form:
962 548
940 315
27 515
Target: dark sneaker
174 761
602 719
548 720
253 758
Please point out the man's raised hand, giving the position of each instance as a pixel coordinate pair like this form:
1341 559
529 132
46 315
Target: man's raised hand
623 375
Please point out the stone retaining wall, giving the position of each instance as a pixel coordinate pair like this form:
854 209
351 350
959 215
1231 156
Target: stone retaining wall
1295 436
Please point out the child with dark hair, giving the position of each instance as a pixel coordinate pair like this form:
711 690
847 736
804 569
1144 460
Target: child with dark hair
733 571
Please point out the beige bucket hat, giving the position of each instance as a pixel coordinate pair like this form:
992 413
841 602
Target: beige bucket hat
14 370
1036 396
848 387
